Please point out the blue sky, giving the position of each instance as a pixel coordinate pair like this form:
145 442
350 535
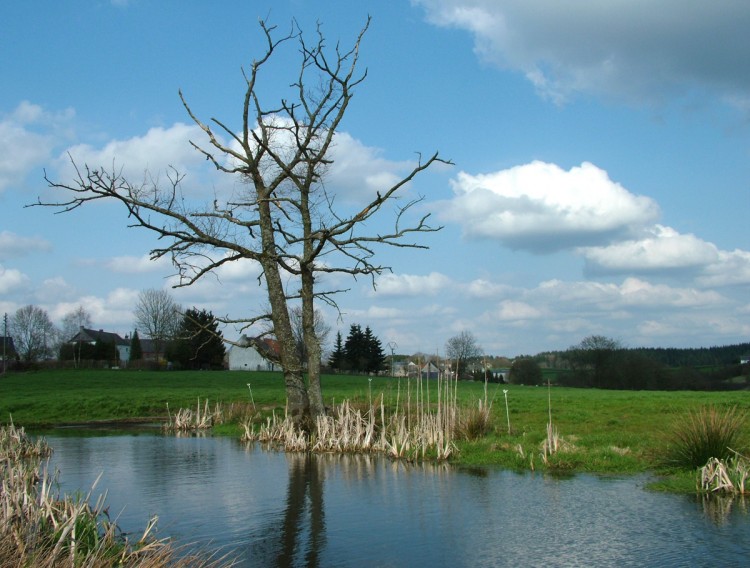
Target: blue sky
601 157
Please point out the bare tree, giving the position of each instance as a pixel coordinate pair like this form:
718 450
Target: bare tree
72 323
322 330
282 216
157 316
462 348
33 333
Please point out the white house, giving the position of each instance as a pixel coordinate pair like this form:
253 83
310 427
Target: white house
254 354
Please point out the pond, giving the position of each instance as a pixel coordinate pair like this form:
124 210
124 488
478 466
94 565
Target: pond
274 509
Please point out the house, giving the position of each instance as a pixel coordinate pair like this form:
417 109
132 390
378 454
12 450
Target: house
430 371
92 337
254 354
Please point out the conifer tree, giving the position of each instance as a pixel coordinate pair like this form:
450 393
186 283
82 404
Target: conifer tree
136 350
199 342
336 361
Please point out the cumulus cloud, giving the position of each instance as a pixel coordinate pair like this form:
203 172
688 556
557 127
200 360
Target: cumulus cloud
731 268
481 288
28 136
359 171
137 264
630 294
356 173
511 310
13 245
155 152
411 284
660 248
665 249
628 50
541 207
12 280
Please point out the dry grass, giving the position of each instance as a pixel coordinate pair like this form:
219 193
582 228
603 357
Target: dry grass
39 528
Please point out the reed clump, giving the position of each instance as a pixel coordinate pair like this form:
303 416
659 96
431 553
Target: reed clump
708 432
41 529
413 428
187 419
725 476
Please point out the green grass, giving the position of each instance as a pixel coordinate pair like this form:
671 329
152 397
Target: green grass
606 431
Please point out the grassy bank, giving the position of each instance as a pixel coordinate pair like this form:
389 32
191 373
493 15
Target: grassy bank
598 430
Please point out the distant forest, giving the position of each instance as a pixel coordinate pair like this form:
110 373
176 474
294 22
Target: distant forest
698 357
600 362
671 356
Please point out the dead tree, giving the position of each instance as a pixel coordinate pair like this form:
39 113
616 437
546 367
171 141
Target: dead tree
283 217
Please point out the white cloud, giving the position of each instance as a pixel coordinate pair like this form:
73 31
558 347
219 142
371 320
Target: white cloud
541 207
28 136
661 248
731 268
510 310
665 249
624 49
633 293
411 284
12 245
137 264
359 171
12 280
155 152
481 288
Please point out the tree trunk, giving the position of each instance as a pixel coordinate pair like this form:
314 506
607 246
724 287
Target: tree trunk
312 345
298 404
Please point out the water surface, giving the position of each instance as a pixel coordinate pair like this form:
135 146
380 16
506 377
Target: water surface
277 509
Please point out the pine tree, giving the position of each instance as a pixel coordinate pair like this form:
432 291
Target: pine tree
336 361
363 352
136 351
354 353
375 361
199 343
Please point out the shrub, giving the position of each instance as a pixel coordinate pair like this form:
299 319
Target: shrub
706 433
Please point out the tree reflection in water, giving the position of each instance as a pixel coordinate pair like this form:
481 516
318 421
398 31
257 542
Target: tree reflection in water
298 537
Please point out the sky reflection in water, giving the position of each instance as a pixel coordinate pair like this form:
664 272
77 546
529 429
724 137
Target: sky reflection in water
276 509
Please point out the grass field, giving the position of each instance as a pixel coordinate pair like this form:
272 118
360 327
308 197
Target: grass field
601 430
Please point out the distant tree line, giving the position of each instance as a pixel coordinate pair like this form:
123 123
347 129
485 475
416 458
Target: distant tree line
361 352
601 362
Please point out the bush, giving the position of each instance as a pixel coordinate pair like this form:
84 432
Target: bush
525 371
704 434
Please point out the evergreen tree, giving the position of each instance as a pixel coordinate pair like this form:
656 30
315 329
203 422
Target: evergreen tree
363 352
336 361
199 343
354 352
375 360
136 351
105 351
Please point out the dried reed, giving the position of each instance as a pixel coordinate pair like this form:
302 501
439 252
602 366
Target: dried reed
414 430
186 419
38 528
725 475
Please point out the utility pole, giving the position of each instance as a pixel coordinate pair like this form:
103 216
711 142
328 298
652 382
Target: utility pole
5 341
392 345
